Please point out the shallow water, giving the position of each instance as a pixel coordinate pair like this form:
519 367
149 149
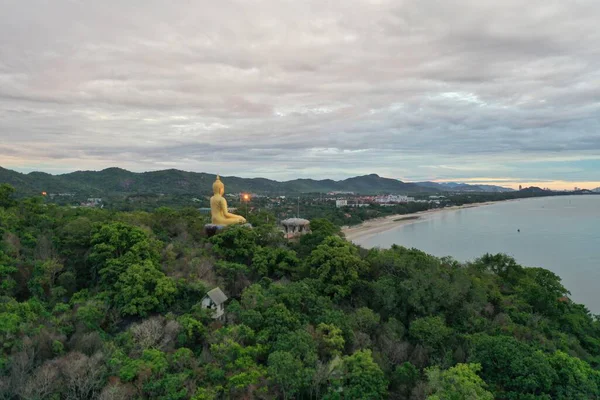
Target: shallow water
560 233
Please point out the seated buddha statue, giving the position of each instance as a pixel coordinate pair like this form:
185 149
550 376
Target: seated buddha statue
218 207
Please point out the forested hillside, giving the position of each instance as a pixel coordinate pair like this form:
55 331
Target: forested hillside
97 304
113 181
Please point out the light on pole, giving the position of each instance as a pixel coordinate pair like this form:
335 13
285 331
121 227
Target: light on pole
246 199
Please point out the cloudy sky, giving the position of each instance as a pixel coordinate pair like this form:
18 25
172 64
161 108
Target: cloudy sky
470 90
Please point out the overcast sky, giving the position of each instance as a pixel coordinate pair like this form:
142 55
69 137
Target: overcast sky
501 91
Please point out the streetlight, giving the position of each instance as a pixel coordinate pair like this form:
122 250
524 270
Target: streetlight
246 199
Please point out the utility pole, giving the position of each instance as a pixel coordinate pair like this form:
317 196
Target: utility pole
298 210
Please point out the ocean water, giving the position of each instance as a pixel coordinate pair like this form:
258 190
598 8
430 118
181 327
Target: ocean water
561 234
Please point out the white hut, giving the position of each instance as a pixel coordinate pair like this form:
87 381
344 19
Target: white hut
215 300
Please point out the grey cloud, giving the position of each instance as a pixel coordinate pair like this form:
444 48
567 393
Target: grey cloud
312 88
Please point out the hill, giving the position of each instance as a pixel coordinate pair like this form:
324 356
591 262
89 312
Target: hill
534 190
172 181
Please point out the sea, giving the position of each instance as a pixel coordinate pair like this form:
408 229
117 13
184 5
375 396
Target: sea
561 234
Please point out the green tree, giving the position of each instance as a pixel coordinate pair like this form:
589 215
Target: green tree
576 380
6 195
235 276
365 320
7 270
270 261
362 377
116 246
512 368
93 313
143 288
337 264
235 354
543 291
405 377
288 373
321 228
235 243
330 340
502 265
430 331
460 382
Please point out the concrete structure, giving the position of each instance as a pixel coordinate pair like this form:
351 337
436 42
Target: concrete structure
393 199
215 300
212 229
341 203
293 227
93 202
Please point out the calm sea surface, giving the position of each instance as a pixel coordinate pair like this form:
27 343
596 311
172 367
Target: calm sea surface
561 234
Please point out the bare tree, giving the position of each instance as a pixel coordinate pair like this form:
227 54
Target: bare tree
361 341
5 389
396 350
155 332
419 356
115 391
44 249
12 244
419 392
171 330
149 332
21 365
320 377
203 269
88 343
43 383
83 376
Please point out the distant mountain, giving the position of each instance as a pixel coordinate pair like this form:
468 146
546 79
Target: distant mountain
172 181
597 190
463 187
534 189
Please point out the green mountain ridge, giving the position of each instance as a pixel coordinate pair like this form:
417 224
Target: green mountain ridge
172 181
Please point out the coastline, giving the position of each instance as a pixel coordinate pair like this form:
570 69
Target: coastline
378 225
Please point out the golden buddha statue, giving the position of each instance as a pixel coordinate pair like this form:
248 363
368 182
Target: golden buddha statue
218 207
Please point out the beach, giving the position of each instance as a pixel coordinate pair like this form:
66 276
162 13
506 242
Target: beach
378 225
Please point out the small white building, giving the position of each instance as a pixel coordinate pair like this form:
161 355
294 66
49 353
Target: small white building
389 199
341 203
215 300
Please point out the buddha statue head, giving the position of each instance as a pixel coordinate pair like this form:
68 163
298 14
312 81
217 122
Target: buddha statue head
218 187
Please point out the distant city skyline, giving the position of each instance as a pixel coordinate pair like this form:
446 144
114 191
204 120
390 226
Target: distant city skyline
495 92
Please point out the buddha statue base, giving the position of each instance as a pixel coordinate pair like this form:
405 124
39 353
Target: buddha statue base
213 229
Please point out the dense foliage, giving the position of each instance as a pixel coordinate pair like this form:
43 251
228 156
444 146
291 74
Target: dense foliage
172 181
97 304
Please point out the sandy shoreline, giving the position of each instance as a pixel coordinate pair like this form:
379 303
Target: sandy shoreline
378 225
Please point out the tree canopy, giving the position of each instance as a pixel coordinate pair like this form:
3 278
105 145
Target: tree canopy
99 304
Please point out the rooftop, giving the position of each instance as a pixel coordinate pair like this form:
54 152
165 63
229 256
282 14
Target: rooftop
217 296
295 221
